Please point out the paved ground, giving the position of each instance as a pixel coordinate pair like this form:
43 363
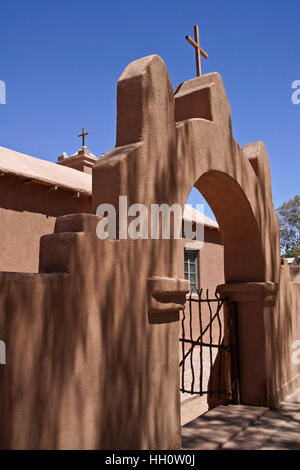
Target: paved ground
188 377
243 427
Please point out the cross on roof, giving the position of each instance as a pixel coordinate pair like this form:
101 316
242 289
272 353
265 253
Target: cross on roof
198 50
83 135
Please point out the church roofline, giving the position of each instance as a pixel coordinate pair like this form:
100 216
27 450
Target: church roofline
44 172
48 173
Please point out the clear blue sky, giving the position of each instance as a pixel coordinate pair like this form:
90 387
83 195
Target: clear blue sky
61 61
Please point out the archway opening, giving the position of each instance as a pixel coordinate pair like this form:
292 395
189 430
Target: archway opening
231 253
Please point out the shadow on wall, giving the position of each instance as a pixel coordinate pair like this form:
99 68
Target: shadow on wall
87 367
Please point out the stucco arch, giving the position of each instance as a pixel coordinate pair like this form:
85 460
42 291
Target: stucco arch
167 142
103 314
243 253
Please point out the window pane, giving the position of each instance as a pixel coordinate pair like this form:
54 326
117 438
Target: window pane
193 268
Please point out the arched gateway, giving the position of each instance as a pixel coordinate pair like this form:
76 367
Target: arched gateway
104 364
167 144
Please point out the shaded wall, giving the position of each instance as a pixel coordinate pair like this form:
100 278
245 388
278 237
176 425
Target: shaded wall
28 211
83 349
92 352
287 330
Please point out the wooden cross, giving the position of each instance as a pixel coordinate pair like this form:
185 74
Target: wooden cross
83 135
198 50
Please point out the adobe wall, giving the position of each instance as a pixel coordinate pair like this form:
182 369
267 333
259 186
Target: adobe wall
27 212
83 348
171 145
295 273
276 327
211 266
210 259
92 340
287 330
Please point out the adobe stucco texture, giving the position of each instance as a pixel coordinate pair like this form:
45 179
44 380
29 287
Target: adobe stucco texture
92 339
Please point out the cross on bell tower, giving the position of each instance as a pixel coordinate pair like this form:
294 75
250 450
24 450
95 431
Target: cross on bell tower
198 50
82 160
83 134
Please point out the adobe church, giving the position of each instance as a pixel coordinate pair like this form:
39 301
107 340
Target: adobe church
34 192
98 331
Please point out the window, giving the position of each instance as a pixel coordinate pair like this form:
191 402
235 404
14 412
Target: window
191 268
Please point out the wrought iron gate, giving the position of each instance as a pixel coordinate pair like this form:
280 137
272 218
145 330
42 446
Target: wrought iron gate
208 348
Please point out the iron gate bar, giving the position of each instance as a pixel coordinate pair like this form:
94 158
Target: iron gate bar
210 333
191 355
213 389
219 347
183 342
201 349
203 333
207 392
206 345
